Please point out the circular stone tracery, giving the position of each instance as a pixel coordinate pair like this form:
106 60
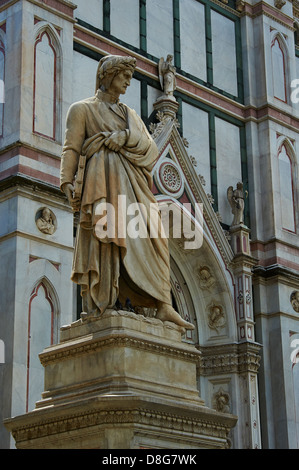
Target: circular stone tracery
170 177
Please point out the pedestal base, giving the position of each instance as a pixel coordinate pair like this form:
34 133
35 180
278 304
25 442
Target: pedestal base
122 381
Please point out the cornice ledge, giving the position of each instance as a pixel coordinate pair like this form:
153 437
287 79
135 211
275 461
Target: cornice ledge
42 425
65 351
229 358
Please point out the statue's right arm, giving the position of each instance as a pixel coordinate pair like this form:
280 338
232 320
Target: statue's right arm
74 138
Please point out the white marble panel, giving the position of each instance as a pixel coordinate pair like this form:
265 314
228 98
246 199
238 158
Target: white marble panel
196 131
228 156
159 23
93 14
152 95
8 216
278 71
224 53
124 20
84 76
45 83
286 190
132 96
193 39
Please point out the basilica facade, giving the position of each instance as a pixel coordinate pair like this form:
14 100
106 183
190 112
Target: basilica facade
227 135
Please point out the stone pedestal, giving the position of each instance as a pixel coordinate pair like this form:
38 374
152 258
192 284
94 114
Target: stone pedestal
122 381
167 105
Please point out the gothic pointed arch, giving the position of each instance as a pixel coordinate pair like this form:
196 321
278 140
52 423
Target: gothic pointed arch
42 331
283 140
287 166
279 58
47 82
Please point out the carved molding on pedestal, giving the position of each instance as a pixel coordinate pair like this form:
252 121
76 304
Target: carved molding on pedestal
116 411
229 358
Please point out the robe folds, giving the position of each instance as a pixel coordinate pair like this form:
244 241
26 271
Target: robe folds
114 264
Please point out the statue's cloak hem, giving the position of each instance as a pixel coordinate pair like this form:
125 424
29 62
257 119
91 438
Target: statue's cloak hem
118 267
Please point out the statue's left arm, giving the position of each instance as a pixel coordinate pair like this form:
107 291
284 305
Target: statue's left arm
140 147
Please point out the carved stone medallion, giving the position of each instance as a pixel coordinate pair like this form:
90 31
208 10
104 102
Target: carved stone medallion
46 221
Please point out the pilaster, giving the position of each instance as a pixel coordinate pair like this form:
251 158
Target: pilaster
237 365
242 264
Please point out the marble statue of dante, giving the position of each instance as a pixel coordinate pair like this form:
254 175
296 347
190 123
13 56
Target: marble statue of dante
120 154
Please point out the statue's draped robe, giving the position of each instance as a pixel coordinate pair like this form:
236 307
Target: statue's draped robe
115 266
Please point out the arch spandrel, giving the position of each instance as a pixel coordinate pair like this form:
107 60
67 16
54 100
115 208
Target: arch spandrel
210 303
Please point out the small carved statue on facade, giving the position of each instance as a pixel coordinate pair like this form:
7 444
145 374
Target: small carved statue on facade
206 280
221 401
236 199
216 317
45 223
167 75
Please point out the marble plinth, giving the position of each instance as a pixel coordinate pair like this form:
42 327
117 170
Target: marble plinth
121 381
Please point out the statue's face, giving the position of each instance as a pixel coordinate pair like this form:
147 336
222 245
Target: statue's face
120 82
46 214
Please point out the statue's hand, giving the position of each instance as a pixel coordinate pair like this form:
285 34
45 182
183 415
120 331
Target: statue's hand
116 140
68 190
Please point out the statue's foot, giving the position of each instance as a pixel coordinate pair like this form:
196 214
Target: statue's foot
166 312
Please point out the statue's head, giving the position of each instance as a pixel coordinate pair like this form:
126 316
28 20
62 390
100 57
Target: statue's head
46 214
109 66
